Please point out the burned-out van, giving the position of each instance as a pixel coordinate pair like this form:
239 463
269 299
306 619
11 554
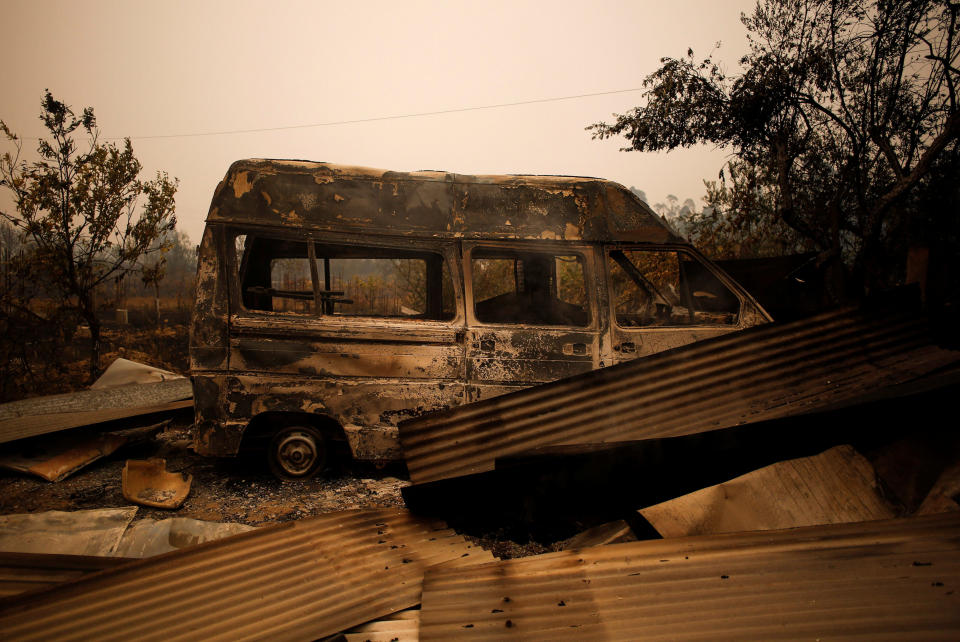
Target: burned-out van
333 301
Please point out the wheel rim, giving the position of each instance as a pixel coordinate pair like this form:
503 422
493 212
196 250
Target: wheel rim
296 453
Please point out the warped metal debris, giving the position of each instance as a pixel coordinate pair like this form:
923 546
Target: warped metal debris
399 627
120 397
21 427
761 373
894 579
148 483
123 372
147 537
293 581
82 532
555 487
55 460
23 572
836 486
610 533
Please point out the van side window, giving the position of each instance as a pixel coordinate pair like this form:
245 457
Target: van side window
536 288
667 288
325 279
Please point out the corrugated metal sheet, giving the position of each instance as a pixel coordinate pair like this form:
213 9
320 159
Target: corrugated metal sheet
399 627
21 572
833 487
29 426
896 579
128 396
294 581
760 373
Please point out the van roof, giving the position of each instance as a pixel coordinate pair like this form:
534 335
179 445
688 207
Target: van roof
436 204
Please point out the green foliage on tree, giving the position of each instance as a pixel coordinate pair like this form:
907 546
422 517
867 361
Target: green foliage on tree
83 214
842 111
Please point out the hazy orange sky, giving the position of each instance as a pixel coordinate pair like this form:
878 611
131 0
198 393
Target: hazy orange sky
161 72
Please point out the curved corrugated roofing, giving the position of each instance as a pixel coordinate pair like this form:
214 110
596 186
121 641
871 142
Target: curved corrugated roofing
893 580
22 572
294 581
325 196
760 373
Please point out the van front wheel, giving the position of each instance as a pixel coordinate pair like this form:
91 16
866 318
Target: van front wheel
297 452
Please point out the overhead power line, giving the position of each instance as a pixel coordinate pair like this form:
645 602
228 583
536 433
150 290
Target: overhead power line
377 118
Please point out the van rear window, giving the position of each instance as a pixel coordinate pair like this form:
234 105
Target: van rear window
324 279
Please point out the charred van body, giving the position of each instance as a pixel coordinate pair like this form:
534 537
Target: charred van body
334 301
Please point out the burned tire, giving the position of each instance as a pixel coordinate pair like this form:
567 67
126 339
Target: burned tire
297 452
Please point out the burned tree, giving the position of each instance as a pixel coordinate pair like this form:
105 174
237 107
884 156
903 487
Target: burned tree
84 215
842 112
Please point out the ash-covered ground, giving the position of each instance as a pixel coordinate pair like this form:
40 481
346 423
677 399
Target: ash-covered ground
228 490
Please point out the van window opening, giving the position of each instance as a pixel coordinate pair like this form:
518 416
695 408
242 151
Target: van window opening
317 279
536 288
667 288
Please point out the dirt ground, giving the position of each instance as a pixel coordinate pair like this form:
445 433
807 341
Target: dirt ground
228 490
223 490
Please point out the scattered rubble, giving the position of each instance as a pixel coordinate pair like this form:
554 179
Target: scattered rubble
819 429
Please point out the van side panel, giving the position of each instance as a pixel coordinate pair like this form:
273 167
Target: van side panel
369 409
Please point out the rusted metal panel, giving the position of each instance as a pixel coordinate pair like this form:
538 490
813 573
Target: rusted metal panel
131 396
399 627
294 581
123 372
432 204
893 579
23 572
148 483
59 458
83 532
556 488
760 373
29 426
833 487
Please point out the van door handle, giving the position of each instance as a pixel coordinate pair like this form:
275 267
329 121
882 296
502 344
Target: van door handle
626 346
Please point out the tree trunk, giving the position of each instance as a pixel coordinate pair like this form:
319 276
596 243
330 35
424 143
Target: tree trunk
89 314
156 300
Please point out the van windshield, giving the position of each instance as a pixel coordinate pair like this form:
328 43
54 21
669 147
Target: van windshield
326 279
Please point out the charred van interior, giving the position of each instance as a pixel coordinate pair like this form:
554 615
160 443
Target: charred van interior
281 275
